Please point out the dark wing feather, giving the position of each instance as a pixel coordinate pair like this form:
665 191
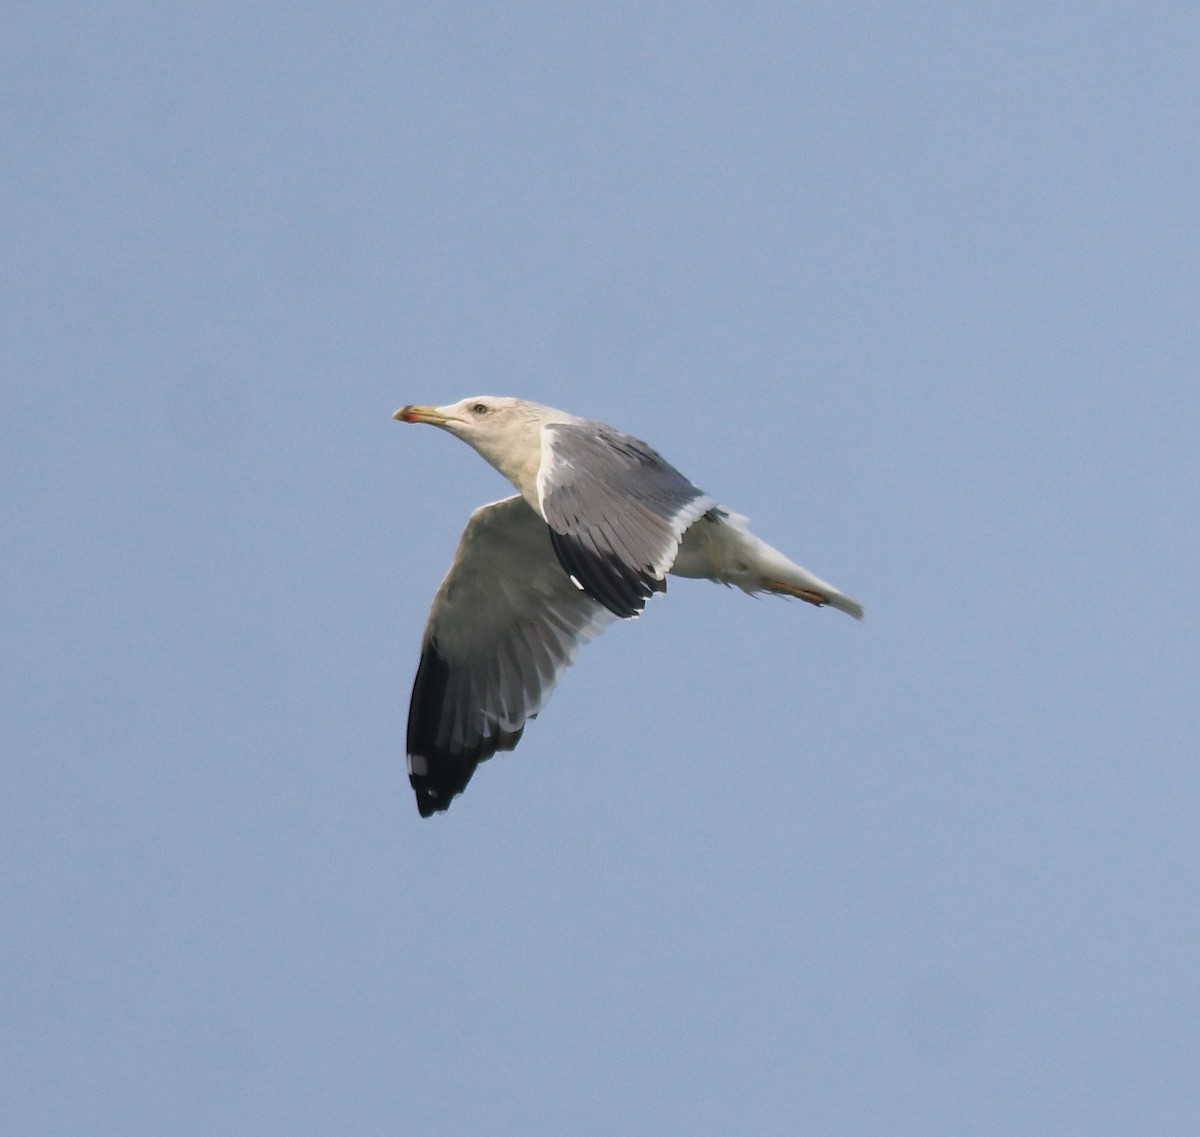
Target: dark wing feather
505 623
617 511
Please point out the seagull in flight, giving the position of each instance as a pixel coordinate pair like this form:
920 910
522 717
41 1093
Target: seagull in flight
598 520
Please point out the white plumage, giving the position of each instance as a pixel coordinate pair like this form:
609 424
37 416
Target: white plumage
599 521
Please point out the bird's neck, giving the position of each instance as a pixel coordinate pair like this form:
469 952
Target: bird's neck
518 463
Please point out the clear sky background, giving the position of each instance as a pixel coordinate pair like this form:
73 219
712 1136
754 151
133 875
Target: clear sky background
914 286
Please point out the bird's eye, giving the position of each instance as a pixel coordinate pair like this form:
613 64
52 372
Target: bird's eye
480 408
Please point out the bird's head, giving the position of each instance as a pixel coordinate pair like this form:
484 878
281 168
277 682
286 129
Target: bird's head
505 431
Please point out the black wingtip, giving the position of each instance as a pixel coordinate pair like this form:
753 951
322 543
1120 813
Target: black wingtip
428 802
446 778
437 773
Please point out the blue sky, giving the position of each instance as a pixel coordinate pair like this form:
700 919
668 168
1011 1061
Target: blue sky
915 288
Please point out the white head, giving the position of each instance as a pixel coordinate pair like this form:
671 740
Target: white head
505 431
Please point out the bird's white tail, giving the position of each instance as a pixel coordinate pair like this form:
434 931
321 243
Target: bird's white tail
721 547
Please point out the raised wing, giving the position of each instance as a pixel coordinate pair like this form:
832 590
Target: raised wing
505 624
617 511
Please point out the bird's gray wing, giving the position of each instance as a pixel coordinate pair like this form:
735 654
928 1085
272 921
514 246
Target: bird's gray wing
617 511
505 624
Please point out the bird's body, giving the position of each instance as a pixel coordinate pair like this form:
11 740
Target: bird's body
599 521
